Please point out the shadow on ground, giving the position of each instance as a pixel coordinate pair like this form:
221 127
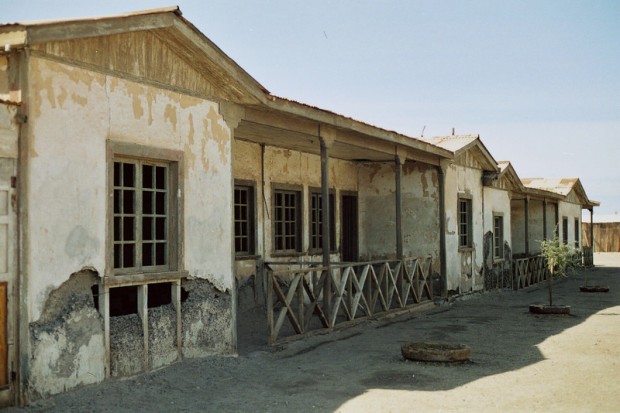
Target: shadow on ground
324 372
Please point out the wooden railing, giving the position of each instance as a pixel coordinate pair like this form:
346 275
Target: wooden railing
588 257
528 271
315 298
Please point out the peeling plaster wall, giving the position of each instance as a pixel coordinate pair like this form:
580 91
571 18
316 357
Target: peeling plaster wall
288 168
8 131
464 268
572 211
377 211
517 225
497 271
73 112
420 211
535 228
67 348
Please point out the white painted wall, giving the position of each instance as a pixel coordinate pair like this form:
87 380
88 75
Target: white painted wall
497 201
571 211
460 179
72 113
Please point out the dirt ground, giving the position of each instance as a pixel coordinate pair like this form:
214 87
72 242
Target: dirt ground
520 363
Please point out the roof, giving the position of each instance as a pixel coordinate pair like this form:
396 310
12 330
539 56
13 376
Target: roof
207 58
459 144
561 186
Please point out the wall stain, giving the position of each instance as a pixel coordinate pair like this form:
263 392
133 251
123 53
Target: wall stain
80 100
170 115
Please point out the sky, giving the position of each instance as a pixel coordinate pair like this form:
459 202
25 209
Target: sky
539 81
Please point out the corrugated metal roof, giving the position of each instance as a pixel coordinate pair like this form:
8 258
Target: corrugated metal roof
174 9
452 143
558 185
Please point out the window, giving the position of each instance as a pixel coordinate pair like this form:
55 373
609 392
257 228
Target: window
498 237
464 215
565 230
577 237
244 220
287 220
316 222
144 218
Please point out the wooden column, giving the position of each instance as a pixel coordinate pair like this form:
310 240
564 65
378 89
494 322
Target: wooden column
545 219
143 312
441 170
592 229
398 167
527 225
325 239
557 219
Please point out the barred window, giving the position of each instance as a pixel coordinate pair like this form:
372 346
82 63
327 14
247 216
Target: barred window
464 216
244 220
287 221
316 222
577 233
498 237
565 230
142 218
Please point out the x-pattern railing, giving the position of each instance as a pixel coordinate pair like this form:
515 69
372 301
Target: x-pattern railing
357 290
529 271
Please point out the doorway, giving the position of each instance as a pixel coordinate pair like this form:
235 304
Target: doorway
350 237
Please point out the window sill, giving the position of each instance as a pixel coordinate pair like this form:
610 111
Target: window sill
143 278
247 257
287 254
498 260
465 249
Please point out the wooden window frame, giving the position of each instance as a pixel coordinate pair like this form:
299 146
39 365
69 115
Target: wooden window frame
565 230
498 237
297 192
146 155
250 219
577 233
315 222
464 219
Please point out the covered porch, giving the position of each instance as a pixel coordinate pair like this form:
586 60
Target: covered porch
307 178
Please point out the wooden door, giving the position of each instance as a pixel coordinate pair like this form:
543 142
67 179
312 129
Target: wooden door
8 247
350 238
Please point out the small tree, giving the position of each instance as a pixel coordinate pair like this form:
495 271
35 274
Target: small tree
560 257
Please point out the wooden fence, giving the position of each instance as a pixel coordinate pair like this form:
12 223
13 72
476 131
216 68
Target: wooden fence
528 271
354 291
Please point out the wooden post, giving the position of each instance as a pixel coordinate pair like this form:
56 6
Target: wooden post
143 312
327 289
441 170
545 219
592 231
399 207
176 302
104 310
527 225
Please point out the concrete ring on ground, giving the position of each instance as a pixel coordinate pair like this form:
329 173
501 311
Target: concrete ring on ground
432 351
594 289
549 309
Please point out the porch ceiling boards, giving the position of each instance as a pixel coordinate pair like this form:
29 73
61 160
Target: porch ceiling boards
352 140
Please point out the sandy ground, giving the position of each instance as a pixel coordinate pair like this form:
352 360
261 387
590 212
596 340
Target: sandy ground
520 363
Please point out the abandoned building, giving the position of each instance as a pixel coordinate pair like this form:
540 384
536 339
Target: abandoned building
151 191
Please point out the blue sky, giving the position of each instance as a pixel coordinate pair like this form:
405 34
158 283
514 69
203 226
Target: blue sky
538 80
